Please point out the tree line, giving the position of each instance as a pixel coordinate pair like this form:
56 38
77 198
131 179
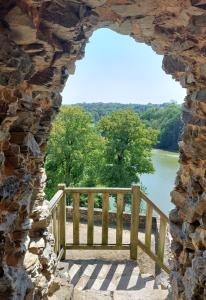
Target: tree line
165 117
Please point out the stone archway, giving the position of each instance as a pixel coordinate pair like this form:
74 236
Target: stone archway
40 42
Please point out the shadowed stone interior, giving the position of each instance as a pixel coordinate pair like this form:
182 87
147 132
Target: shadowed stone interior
40 42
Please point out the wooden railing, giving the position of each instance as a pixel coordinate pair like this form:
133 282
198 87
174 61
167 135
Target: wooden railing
57 206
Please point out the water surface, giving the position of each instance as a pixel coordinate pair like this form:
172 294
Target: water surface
160 184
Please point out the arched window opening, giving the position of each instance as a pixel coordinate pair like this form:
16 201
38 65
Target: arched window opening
119 73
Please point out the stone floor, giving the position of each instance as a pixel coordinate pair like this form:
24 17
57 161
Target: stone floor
146 265
96 274
102 275
106 280
144 294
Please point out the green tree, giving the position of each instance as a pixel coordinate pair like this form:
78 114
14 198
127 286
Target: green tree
75 150
168 121
170 133
128 145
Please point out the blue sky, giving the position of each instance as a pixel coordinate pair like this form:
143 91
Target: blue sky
118 69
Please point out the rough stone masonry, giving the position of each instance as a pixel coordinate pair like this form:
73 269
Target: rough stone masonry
40 40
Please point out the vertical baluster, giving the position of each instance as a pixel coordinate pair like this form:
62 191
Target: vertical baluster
148 230
119 228
52 227
134 221
58 229
62 220
76 218
63 224
55 230
105 218
52 222
161 240
57 237
90 226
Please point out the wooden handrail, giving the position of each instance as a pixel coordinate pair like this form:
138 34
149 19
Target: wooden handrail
58 209
55 200
86 190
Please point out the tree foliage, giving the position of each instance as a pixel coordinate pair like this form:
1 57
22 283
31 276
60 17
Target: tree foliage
128 145
168 121
113 153
75 150
101 109
165 117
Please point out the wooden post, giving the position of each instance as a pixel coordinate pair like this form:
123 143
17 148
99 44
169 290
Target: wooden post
134 221
55 230
161 240
119 228
62 221
58 228
148 230
90 218
105 218
76 218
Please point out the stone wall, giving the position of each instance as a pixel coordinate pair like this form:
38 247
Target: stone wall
40 42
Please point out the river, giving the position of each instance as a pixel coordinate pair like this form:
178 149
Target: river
160 184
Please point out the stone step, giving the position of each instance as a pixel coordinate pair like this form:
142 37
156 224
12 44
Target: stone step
143 294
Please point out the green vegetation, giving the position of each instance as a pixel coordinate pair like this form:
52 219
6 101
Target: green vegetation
128 145
100 109
75 150
164 117
108 144
168 121
113 152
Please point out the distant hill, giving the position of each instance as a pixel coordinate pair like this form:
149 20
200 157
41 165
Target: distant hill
100 109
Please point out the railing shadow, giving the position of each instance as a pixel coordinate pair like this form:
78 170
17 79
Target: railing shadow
107 275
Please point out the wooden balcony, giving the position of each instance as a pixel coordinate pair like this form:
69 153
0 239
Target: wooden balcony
58 211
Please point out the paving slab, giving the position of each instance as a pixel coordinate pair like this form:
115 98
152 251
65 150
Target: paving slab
143 294
92 295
